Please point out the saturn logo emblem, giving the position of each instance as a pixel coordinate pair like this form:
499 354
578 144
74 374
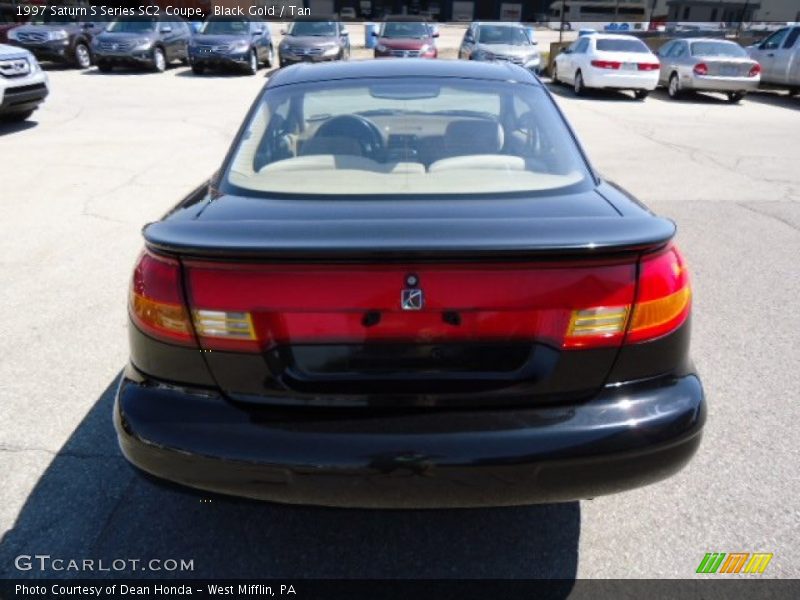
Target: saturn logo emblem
412 299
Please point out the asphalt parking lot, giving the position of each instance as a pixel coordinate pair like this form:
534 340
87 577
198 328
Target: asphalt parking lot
108 153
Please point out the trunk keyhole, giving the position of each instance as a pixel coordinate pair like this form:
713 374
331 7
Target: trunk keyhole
371 318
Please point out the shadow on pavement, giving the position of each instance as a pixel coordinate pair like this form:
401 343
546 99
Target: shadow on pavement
90 504
8 127
774 98
565 91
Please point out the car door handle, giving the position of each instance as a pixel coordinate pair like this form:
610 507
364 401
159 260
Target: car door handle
772 54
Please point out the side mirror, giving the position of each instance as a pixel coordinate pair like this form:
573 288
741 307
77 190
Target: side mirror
258 32
534 43
283 32
345 33
166 29
374 34
435 34
565 51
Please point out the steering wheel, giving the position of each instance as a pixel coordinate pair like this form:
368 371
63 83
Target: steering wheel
355 127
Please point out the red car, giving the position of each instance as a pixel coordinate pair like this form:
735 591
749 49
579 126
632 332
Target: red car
406 39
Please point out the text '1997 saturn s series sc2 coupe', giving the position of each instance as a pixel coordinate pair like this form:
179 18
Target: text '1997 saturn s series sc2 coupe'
407 287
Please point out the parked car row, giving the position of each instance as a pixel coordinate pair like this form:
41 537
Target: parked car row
621 62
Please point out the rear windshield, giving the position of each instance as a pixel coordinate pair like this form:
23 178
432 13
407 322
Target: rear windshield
313 28
503 35
607 45
405 30
225 28
717 49
405 137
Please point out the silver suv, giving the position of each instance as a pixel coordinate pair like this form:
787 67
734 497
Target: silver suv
23 84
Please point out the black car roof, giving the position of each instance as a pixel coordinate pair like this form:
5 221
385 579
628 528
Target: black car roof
405 67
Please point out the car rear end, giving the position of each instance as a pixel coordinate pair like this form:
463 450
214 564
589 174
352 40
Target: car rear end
422 350
720 66
621 62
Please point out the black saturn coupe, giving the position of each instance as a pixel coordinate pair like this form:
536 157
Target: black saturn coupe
407 287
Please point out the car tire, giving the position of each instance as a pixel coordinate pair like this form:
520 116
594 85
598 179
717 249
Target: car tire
198 69
159 60
105 66
735 97
641 94
674 87
16 117
83 57
252 63
578 86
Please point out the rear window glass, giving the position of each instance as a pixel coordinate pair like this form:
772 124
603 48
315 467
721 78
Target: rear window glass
717 49
608 45
405 136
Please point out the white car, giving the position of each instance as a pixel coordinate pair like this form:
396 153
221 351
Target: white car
23 84
617 62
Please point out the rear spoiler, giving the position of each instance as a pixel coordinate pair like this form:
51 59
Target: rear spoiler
408 238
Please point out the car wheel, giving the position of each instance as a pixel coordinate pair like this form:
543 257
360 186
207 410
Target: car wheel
16 117
735 97
198 69
252 65
674 87
159 60
83 58
105 66
578 86
641 94
555 74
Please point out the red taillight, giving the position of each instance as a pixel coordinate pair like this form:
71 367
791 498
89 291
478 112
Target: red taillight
700 69
606 64
156 300
251 307
664 297
755 70
649 66
663 302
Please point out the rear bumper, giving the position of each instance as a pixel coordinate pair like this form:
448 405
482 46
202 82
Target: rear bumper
624 438
620 80
721 84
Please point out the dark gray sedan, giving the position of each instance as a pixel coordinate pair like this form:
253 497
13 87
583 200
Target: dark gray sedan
707 65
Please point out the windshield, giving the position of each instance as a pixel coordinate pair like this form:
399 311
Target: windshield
717 49
313 28
132 26
503 35
409 136
225 28
607 45
405 30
